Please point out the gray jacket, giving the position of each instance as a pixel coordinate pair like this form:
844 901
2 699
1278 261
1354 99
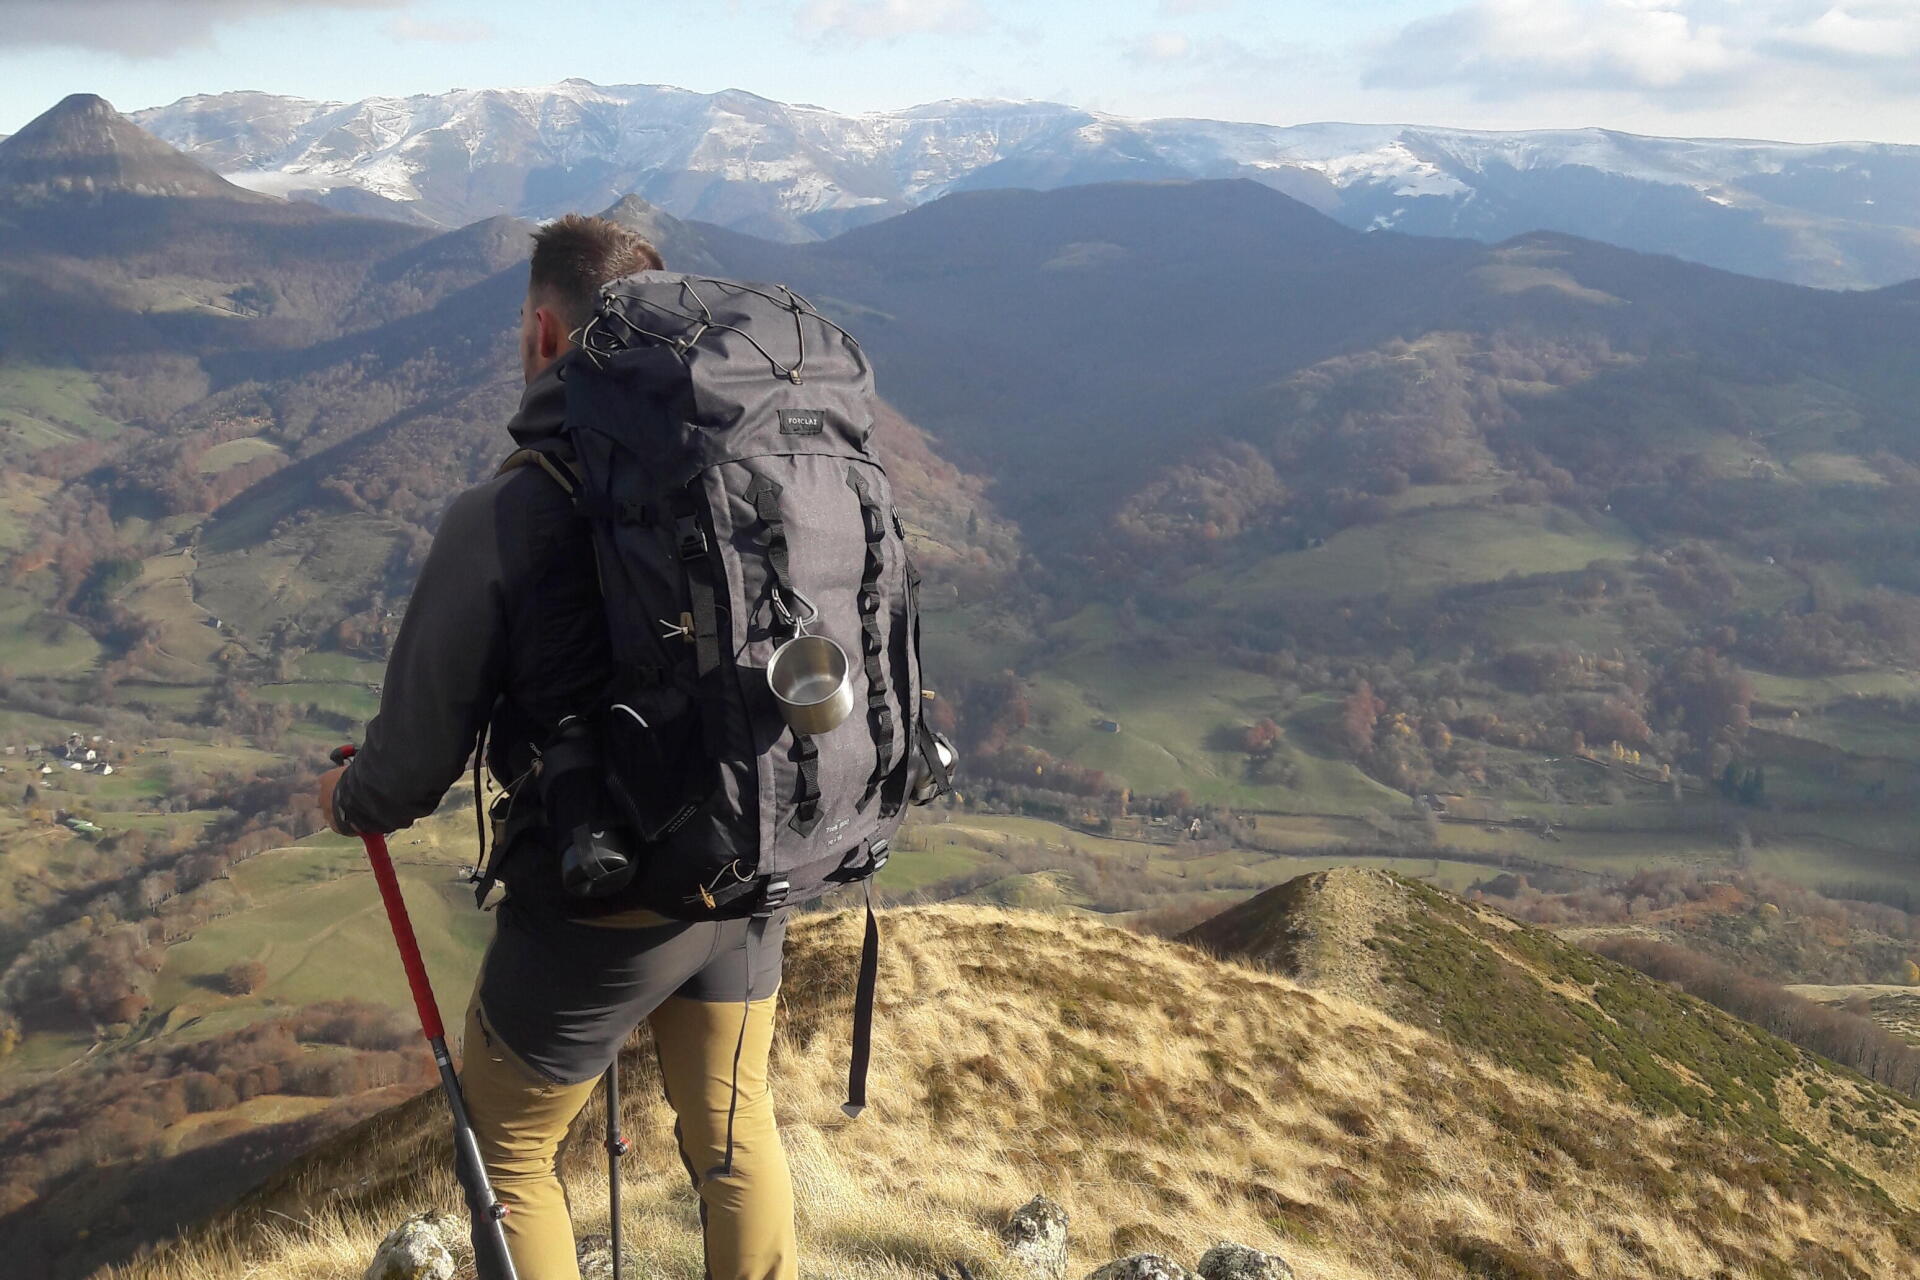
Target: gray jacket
504 627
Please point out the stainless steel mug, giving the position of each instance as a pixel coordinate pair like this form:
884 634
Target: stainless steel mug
810 678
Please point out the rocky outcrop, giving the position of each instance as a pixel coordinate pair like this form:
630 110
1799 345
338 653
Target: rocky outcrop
417 1249
1142 1266
1229 1261
1035 1237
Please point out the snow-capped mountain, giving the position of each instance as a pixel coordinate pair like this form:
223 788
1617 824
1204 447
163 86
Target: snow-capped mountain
1843 214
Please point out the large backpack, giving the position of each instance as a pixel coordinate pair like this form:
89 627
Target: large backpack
716 440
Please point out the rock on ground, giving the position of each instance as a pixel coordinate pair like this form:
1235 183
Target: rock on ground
1143 1266
414 1250
1228 1261
1036 1238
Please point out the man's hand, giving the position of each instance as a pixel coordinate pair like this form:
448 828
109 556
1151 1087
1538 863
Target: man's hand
328 782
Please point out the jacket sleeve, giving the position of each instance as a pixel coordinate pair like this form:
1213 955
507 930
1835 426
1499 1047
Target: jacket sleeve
445 671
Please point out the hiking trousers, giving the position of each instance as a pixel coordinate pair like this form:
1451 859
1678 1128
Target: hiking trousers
554 1002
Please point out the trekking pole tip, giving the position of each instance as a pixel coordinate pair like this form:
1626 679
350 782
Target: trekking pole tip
852 1110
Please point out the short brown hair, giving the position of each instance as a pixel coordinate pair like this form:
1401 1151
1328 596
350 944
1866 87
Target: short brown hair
575 255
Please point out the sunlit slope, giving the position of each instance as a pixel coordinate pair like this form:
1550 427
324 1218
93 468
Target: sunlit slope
1168 1100
1559 1014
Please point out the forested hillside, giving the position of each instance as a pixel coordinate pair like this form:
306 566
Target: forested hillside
1576 578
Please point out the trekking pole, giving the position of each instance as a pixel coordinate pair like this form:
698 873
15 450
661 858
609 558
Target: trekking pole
491 1258
616 1147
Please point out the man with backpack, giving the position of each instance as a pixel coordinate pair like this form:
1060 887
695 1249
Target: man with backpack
643 625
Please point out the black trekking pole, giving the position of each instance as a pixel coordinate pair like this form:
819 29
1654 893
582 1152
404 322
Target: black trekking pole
616 1147
491 1258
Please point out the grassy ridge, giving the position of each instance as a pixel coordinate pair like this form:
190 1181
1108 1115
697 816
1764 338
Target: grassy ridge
1168 1101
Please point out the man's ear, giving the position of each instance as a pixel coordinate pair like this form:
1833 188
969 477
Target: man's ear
553 336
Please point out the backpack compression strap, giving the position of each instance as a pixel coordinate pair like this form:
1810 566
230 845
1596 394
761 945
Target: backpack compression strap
879 711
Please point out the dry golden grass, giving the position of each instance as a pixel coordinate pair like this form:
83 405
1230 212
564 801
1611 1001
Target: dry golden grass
1168 1100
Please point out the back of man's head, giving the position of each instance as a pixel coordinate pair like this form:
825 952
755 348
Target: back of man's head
575 255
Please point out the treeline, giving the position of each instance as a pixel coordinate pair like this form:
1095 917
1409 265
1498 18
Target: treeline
1848 1038
116 1108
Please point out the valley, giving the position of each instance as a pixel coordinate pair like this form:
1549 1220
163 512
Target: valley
1572 581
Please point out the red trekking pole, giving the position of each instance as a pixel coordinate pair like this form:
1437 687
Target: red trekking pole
491 1258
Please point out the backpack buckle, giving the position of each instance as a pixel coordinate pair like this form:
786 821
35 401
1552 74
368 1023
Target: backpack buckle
775 896
693 539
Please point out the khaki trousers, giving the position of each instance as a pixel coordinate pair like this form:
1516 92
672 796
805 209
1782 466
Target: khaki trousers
571 994
521 1119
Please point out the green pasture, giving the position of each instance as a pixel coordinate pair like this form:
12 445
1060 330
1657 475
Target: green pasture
32 643
315 921
1856 728
301 577
1413 556
1177 719
41 406
356 701
233 453
339 668
1814 693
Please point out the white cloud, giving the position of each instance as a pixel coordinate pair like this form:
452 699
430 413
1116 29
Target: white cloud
1677 50
1160 47
413 29
862 20
1862 33
142 28
1504 47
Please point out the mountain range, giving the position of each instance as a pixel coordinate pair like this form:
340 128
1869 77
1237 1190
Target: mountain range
1254 542
1842 214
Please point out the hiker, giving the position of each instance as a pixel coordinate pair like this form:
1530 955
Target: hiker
659 818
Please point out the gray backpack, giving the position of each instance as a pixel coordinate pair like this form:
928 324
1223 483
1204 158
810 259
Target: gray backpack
716 441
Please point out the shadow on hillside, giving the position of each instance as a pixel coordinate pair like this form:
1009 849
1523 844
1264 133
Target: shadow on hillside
101 1216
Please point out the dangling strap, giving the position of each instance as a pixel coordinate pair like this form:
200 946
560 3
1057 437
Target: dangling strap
863 1015
482 865
756 935
879 711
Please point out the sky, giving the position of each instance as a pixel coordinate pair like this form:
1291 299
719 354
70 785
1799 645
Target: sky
1793 70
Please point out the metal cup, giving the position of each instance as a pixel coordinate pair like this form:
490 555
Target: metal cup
809 678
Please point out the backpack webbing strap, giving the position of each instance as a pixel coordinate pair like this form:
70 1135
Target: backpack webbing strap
879 711
919 733
806 794
764 494
702 597
545 460
863 1015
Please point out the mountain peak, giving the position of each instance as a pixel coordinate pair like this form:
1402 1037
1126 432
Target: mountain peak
677 243
82 149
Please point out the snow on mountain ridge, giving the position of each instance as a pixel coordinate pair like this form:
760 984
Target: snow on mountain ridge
800 172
